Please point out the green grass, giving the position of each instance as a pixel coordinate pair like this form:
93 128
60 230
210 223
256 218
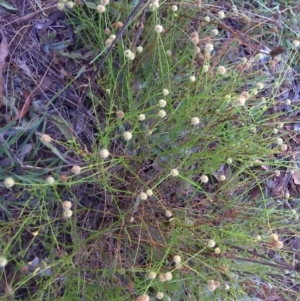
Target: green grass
114 239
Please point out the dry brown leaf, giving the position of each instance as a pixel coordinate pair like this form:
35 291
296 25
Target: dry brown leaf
42 86
21 113
3 55
296 177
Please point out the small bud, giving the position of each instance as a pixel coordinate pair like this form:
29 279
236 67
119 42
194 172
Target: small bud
209 47
229 161
279 141
260 86
70 4
296 43
120 114
276 173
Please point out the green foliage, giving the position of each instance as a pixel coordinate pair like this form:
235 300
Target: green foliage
114 239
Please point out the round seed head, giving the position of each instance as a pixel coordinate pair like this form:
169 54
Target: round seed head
211 243
3 262
162 113
143 196
101 8
221 14
158 28
127 136
195 121
67 213
177 258
46 138
162 103
76 169
66 205
168 276
168 213
104 153
159 295
149 192
174 8
142 117
152 275
139 49
165 92
50 180
221 70
192 78
174 172
204 179
9 182
143 298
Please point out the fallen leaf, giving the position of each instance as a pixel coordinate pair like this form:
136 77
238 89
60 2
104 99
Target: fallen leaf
3 55
42 86
21 113
296 177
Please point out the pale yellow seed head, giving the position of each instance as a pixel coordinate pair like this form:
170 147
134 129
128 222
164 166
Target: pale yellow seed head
221 14
70 4
158 28
174 8
221 70
66 205
104 153
143 298
211 243
76 169
296 43
67 213
177 258
143 196
100 8
139 49
3 262
162 278
195 121
162 103
60 6
127 136
174 172
159 295
168 213
149 192
50 180
169 276
204 179
9 182
152 275
142 117
217 250
46 138
162 113
192 78
104 2
165 92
